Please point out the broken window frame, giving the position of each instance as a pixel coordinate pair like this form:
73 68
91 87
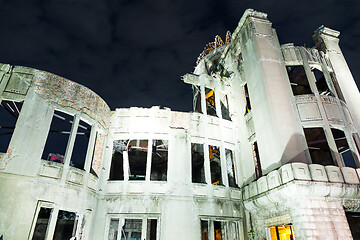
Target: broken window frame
53 220
256 159
247 99
322 83
210 102
229 228
161 151
144 225
84 129
231 168
13 108
119 146
295 85
224 106
215 158
197 99
202 170
347 153
329 159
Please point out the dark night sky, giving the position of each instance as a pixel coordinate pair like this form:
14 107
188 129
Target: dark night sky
132 53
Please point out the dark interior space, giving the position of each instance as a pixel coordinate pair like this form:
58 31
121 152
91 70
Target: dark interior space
9 113
159 160
137 152
215 165
298 80
197 163
78 155
343 148
210 102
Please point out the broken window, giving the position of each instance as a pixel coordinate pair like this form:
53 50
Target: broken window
343 148
197 98
353 219
256 157
247 99
197 163
131 229
318 146
65 225
151 229
159 160
42 223
298 80
137 152
117 160
78 155
204 229
219 230
58 137
230 168
321 83
134 228
224 107
215 165
9 113
113 229
210 102
282 232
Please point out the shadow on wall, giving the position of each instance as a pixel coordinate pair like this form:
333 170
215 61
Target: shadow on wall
291 155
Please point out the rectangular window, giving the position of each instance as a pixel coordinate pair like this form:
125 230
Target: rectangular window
282 232
133 227
353 219
65 225
117 160
318 146
210 102
219 230
9 114
256 157
247 99
78 155
224 107
215 165
343 148
197 99
137 152
204 229
42 223
197 163
159 160
298 80
58 137
230 168
321 84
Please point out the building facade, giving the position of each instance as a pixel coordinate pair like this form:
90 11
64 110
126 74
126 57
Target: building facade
271 150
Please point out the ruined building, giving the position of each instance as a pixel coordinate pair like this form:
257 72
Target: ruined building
271 150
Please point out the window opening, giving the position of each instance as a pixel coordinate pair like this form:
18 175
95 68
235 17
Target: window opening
210 102
298 80
282 232
137 152
117 160
230 168
197 163
353 219
58 137
159 160
204 229
9 114
78 155
215 165
247 99
151 229
197 98
343 148
42 223
219 230
131 229
321 83
65 225
224 107
256 157
113 229
318 146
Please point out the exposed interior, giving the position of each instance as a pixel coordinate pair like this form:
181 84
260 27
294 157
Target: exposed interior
298 80
343 148
197 163
215 165
9 113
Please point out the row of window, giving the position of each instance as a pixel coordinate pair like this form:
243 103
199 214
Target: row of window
131 158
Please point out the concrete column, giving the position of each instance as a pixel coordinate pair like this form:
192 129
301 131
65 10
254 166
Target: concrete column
328 38
29 137
278 132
